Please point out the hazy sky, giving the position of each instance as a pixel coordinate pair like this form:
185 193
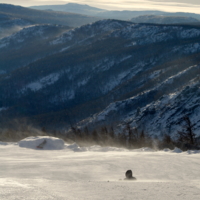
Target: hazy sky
166 5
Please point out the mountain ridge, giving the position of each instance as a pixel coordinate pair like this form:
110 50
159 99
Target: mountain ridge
98 64
46 17
164 19
113 14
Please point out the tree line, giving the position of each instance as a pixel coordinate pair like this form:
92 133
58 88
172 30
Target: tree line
129 137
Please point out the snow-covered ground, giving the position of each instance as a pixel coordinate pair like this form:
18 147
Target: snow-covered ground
74 173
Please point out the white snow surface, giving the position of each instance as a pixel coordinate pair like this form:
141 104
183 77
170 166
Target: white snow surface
97 173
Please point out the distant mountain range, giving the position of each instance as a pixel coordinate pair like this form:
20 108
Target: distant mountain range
46 17
73 8
13 18
121 15
160 19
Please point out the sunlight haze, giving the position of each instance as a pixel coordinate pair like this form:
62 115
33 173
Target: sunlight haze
164 5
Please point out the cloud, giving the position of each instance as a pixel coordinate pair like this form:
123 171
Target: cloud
195 2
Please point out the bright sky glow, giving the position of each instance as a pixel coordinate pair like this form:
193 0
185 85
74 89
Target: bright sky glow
164 5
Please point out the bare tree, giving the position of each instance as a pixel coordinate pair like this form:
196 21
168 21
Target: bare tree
187 135
95 137
130 135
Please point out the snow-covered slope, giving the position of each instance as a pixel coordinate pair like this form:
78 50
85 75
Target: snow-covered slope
96 175
28 34
90 32
158 117
9 25
21 36
125 65
27 45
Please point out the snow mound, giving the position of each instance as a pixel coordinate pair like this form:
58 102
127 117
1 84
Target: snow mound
53 143
193 151
74 147
3 143
42 142
167 150
177 150
96 148
144 149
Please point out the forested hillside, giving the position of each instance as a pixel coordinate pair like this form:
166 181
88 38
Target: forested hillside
77 73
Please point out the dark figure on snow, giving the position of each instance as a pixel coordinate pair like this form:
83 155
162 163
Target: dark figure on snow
129 175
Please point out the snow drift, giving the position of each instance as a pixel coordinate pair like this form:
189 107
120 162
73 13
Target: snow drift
53 143
42 142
